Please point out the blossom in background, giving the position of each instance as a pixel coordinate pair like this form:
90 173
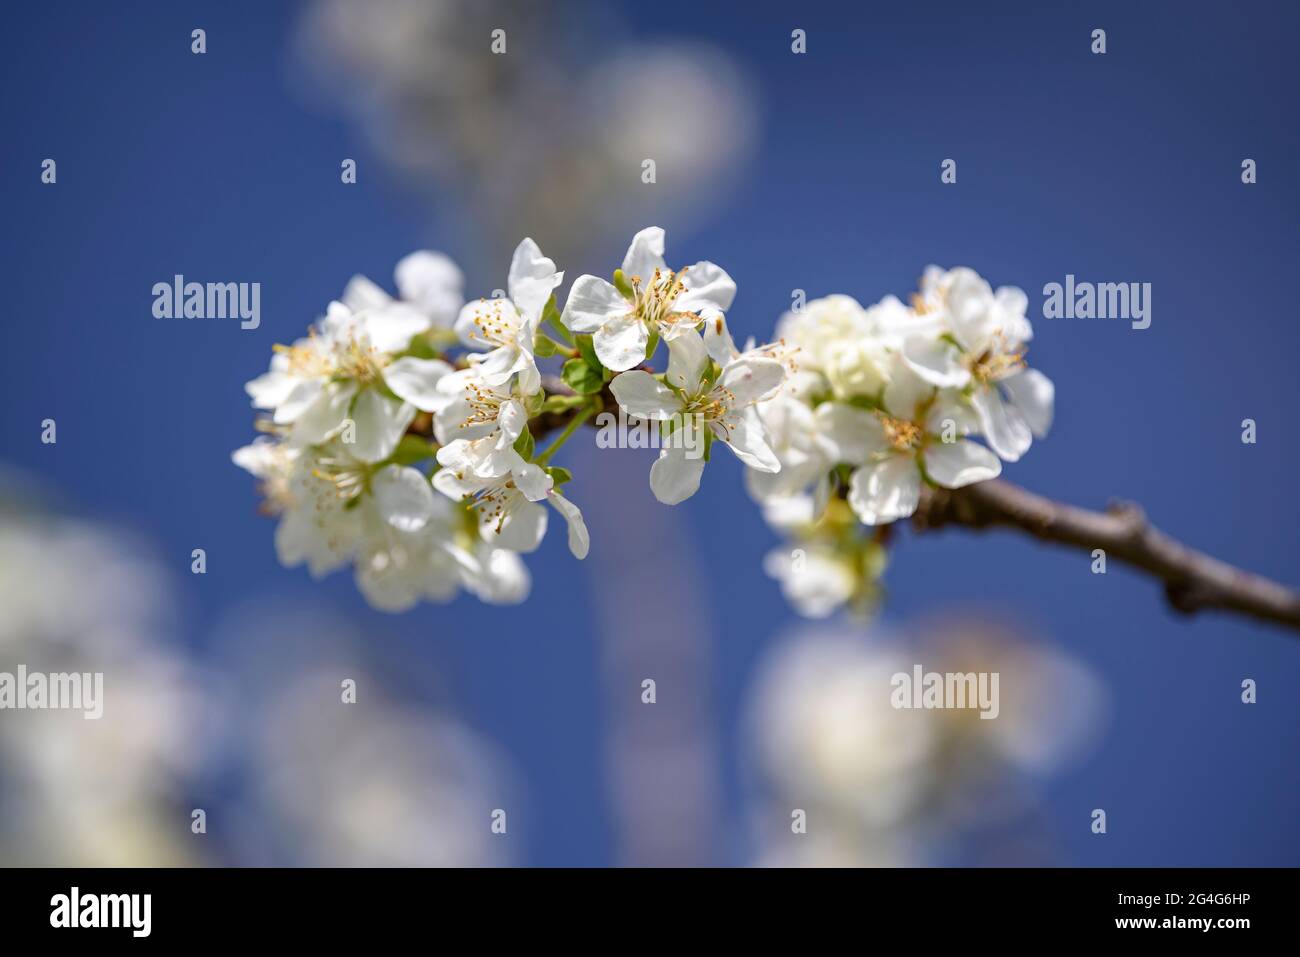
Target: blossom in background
430 290
886 786
544 137
654 300
81 597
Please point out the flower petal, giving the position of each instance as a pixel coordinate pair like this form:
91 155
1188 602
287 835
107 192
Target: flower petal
886 491
642 395
432 283
747 437
532 480
494 575
620 342
390 328
416 381
520 529
1033 395
852 435
380 424
532 277
709 290
480 319
324 416
361 294
404 497
687 361
579 539
675 476
270 389
592 302
1002 424
935 361
645 254
717 340
750 379
961 463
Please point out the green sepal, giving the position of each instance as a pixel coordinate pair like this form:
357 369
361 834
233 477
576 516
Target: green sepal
711 373
411 449
559 474
588 351
421 348
581 377
551 314
563 403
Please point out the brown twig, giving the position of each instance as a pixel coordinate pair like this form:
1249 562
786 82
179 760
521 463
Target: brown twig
1193 581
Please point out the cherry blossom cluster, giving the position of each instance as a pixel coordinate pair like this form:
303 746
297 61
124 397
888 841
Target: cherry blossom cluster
400 432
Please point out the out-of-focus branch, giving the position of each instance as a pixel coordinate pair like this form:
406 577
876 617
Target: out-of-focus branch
1193 581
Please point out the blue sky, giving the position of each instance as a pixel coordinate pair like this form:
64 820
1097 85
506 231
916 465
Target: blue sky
1122 167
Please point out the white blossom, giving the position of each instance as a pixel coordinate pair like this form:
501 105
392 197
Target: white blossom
662 301
506 327
693 402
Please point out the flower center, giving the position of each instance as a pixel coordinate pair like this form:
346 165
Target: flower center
360 361
493 325
484 405
653 302
902 434
495 503
347 476
995 363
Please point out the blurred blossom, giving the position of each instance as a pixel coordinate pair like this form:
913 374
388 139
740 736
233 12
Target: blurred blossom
885 786
260 738
80 597
548 138
386 781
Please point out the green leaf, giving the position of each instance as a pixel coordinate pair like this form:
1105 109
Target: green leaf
524 445
560 475
588 351
581 377
411 449
543 346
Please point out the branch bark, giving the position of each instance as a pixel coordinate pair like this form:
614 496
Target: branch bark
1193 581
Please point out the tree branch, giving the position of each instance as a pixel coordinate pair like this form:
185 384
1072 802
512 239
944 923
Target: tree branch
1193 581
